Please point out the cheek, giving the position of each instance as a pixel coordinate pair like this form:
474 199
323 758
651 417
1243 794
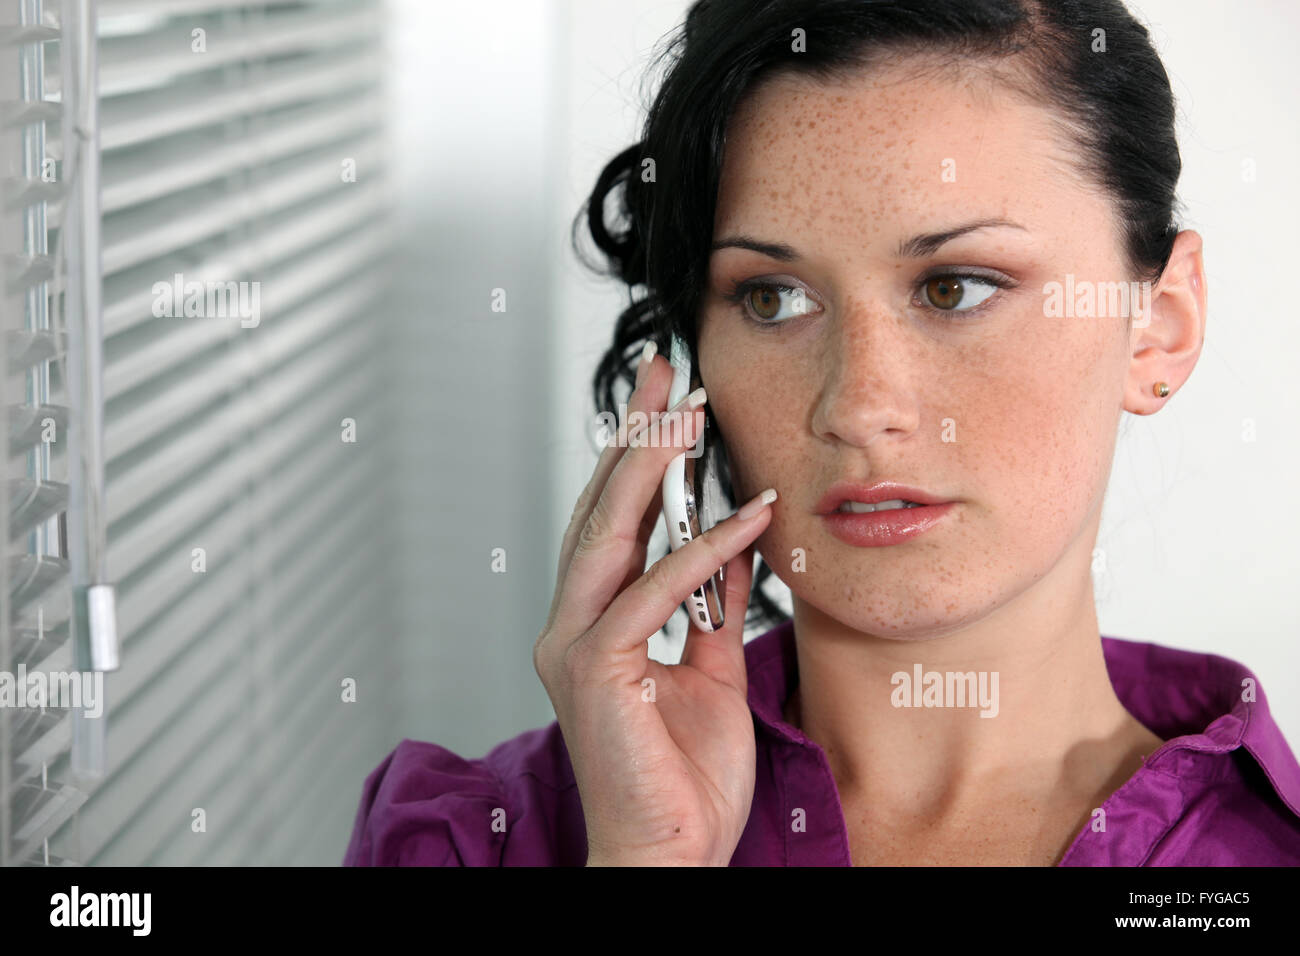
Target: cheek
760 403
1039 428
752 404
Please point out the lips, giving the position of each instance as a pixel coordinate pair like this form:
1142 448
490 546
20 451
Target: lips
875 493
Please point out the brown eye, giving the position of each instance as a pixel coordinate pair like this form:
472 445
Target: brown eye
767 304
765 301
944 292
958 292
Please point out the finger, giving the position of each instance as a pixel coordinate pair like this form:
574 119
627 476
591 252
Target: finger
721 653
610 551
649 397
645 607
654 516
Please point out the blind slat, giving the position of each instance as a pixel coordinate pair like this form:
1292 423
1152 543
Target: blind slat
139 234
220 535
26 349
24 272
206 101
32 503
42 811
147 477
129 296
327 647
189 337
154 411
32 579
171 637
137 552
27 423
119 10
131 64
189 161
34 646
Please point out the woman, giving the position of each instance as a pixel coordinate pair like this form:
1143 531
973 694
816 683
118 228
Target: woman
900 240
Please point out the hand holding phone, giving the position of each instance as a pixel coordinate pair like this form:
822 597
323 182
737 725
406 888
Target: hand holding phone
663 755
692 495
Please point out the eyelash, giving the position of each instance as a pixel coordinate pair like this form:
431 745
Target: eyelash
739 294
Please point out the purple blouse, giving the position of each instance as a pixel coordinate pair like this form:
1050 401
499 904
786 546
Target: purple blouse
1223 790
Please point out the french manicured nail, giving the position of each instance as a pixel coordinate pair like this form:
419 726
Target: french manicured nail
696 398
691 401
753 507
643 366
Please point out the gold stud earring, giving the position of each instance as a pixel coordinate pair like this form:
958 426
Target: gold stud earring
1161 389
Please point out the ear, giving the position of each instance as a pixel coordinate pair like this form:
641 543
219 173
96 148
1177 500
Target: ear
1166 340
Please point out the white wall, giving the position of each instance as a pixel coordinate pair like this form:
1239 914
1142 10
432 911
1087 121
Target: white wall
473 91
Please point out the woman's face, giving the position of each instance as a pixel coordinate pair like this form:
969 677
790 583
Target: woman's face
1007 410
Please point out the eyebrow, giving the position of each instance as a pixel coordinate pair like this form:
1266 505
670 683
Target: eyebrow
917 247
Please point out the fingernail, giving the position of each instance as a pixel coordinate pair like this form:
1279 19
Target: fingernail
753 507
643 366
694 400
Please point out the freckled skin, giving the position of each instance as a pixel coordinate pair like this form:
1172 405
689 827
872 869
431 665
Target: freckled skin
860 389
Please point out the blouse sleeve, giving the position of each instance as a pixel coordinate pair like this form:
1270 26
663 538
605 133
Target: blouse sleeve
426 806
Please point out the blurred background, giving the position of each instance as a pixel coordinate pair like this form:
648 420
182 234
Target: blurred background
334 524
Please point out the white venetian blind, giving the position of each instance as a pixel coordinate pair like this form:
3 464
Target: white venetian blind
242 159
36 795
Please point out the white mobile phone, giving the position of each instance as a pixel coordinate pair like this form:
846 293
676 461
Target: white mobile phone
692 495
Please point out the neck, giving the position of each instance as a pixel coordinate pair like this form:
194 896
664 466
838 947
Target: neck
1053 697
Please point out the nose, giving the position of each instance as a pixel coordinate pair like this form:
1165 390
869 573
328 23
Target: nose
871 378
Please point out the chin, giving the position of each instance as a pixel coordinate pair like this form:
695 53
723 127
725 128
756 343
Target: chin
907 614
912 625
